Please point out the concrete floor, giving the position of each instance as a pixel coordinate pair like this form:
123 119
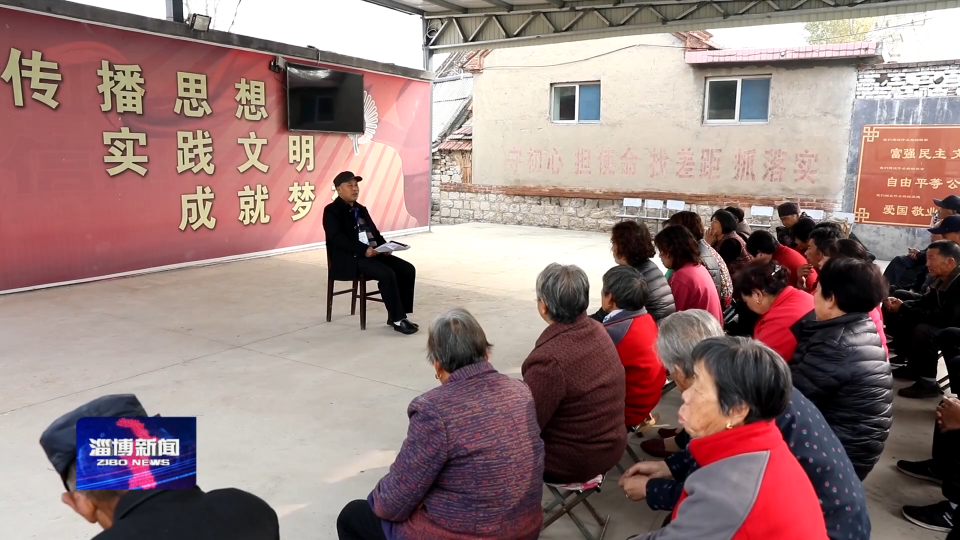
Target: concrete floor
306 414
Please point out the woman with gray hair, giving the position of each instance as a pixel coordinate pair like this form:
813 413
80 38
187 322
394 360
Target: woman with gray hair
747 474
473 454
577 381
678 335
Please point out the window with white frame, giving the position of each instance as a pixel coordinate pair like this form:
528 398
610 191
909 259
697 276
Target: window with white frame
737 100
575 103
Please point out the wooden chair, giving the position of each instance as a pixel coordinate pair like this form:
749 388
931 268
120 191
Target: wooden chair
359 290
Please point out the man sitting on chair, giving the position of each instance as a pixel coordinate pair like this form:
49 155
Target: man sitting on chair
351 241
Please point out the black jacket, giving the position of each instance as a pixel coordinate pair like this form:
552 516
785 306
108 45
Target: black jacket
939 306
841 367
659 295
343 238
713 266
230 514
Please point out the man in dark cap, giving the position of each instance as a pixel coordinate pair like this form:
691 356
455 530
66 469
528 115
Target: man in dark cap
789 213
155 514
908 272
352 237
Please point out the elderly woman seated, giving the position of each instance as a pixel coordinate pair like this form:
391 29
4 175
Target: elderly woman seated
803 428
634 332
577 381
692 286
763 288
632 244
839 362
747 476
472 463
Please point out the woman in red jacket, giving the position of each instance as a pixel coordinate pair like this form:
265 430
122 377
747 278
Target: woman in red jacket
749 485
763 288
691 283
634 332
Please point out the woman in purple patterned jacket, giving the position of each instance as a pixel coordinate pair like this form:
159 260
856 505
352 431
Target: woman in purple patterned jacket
472 464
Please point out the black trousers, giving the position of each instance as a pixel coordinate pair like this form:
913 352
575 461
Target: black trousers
902 272
916 341
358 522
949 341
924 351
396 278
946 462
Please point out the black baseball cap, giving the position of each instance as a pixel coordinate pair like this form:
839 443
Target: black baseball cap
59 441
950 224
345 176
950 203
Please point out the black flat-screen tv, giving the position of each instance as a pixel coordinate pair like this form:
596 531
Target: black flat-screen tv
320 99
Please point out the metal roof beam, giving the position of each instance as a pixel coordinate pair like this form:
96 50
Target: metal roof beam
447 5
500 4
555 21
398 6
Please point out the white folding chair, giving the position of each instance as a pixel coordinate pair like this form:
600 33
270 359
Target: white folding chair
629 203
815 215
761 216
653 213
673 207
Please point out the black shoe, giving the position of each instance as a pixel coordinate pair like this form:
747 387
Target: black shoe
919 469
936 517
405 327
905 374
415 325
921 390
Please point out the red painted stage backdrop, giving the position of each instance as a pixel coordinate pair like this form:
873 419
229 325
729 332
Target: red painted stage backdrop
122 151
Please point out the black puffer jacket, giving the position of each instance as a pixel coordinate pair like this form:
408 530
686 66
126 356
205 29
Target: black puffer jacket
713 266
659 295
840 366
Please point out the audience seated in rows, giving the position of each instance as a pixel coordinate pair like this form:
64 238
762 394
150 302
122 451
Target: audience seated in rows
577 381
472 463
852 249
839 363
634 333
914 324
632 244
764 288
908 272
763 246
724 239
747 483
711 259
803 428
692 286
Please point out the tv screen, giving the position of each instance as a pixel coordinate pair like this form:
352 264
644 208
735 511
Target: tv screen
327 100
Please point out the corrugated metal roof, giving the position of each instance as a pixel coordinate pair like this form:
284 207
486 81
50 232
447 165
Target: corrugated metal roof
838 51
487 24
449 100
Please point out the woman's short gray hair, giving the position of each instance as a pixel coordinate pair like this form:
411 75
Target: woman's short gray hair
679 333
456 340
746 373
565 290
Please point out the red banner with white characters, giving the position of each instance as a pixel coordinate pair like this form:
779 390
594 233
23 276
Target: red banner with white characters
122 151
